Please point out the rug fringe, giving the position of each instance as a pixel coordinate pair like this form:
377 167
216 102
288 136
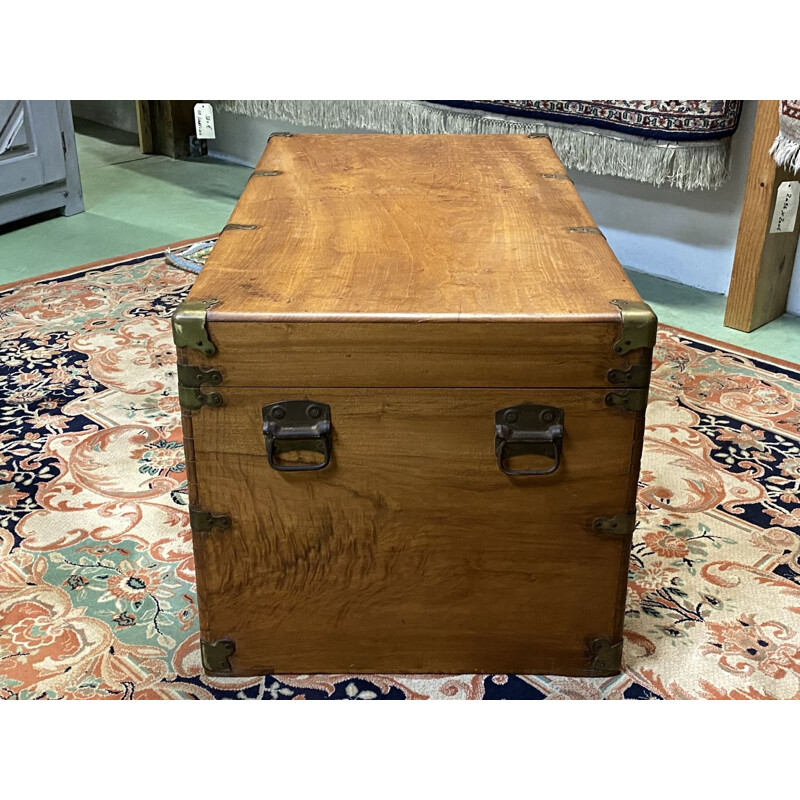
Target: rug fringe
786 152
684 165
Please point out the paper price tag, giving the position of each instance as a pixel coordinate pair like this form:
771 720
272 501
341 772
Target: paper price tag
204 121
786 201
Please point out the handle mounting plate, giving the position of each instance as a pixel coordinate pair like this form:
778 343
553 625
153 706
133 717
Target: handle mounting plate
297 425
528 429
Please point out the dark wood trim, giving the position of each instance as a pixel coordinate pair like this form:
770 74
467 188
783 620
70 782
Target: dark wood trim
165 126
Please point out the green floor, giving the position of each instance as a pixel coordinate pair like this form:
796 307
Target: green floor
135 202
703 312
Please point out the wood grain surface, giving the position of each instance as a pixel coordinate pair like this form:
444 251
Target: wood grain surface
412 552
404 228
547 354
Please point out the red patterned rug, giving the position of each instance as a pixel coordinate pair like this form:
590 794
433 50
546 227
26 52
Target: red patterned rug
97 594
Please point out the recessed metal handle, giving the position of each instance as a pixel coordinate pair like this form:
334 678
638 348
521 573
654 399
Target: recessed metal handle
297 425
528 429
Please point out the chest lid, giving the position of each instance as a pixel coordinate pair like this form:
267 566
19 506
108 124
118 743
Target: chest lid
484 231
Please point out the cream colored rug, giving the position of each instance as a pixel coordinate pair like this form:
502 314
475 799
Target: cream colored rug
97 596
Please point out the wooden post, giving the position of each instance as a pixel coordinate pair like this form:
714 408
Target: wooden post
165 126
762 264
144 124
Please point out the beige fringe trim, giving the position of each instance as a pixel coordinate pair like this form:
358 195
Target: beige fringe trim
786 152
684 165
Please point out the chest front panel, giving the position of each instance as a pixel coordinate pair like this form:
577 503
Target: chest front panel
412 551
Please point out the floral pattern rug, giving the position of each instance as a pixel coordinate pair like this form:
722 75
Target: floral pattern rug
97 596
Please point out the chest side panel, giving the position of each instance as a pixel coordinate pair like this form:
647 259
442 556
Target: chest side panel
412 551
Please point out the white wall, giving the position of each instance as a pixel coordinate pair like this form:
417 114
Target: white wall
243 139
689 237
120 114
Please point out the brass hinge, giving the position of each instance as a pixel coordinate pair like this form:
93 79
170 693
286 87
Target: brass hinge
539 136
265 173
605 658
189 326
191 398
618 525
586 229
235 226
190 379
628 399
280 133
634 375
203 521
558 176
215 655
639 325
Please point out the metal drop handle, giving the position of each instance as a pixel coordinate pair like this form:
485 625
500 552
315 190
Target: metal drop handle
528 429
297 425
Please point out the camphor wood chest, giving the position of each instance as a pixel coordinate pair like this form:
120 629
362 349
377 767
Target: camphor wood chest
413 378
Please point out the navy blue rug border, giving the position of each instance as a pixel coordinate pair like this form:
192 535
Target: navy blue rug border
472 105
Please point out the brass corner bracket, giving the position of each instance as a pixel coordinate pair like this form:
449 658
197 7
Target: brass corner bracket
215 655
604 658
639 325
189 326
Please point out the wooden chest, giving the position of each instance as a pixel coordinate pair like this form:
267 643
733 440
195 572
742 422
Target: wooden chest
413 378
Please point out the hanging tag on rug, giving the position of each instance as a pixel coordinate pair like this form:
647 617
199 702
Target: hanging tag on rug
204 121
786 201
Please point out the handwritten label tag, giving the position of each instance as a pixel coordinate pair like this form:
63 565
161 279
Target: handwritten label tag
785 215
204 121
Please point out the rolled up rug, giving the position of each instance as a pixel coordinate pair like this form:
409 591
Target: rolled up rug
190 258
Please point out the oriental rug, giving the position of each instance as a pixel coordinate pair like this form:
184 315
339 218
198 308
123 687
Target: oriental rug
97 595
680 143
